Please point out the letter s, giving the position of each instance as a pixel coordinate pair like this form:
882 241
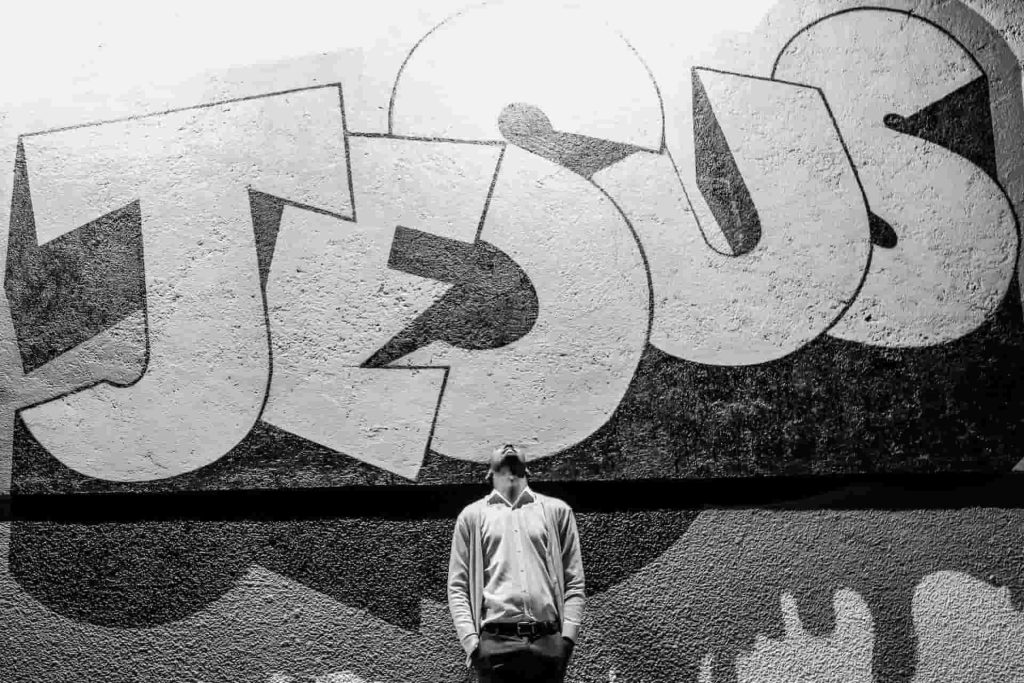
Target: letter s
899 88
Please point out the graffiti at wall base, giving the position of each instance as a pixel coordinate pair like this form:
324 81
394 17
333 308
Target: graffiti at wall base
796 255
717 597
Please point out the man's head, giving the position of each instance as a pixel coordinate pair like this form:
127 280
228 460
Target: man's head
508 462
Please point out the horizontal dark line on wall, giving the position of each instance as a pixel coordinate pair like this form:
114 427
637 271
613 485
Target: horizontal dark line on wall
877 492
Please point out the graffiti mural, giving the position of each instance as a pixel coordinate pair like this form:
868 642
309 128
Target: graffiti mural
789 259
721 596
479 328
762 265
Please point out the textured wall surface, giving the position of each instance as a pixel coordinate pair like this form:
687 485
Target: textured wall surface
746 288
792 252
751 596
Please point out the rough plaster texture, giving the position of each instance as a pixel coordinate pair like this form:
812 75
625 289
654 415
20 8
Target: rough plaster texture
797 258
788 250
747 596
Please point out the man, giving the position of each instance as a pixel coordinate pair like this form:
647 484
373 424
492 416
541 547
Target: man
515 579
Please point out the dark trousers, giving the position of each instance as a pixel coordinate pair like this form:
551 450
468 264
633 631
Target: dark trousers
512 659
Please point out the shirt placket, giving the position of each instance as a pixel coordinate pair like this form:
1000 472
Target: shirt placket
517 517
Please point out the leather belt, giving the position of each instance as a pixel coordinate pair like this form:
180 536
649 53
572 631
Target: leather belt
523 629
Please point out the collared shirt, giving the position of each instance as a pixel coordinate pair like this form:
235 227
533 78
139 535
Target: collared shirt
517 583
466 569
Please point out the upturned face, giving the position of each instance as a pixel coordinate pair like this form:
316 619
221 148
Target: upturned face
507 467
504 476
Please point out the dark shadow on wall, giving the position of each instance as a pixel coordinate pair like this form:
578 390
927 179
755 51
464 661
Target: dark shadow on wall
75 286
669 586
144 572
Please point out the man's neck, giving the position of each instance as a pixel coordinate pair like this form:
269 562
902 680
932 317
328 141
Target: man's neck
512 491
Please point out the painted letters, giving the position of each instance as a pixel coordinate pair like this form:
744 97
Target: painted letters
208 357
815 263
913 108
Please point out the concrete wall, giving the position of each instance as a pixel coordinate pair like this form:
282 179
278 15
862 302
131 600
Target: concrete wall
776 254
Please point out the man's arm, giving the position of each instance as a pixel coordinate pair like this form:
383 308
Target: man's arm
458 585
572 566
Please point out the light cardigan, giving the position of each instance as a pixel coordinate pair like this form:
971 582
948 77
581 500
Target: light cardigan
466 568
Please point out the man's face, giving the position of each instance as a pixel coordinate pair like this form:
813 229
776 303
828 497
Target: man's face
507 467
503 476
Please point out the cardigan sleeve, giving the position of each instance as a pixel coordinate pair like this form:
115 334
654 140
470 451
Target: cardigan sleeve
572 567
459 579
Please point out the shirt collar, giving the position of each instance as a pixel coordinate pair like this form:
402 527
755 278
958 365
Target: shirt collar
525 496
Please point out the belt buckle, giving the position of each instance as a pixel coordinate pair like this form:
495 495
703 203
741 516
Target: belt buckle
529 628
